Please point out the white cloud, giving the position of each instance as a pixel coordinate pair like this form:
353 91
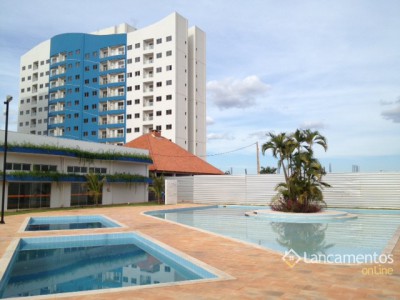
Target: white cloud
209 120
312 125
392 113
238 93
220 136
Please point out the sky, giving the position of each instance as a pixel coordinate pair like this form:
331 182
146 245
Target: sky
272 66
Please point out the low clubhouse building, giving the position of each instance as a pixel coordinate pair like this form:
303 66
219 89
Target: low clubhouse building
43 172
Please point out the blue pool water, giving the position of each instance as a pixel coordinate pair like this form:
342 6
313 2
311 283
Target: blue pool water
52 265
369 233
69 223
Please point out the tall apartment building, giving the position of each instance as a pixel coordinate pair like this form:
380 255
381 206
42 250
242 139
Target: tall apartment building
118 83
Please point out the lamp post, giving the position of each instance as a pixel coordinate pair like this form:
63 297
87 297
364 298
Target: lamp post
7 102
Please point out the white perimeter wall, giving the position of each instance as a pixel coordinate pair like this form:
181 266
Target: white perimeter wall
363 190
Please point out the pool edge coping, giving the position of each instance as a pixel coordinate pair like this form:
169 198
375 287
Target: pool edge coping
27 219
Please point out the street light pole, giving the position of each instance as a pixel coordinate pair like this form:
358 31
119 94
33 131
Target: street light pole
7 102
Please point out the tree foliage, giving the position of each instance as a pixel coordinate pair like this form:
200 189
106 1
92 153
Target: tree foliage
158 186
302 189
94 186
268 170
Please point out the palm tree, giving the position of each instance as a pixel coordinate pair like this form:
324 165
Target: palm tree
268 170
302 189
312 137
157 186
94 186
280 146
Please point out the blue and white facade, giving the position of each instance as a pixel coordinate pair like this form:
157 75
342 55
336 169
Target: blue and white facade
116 84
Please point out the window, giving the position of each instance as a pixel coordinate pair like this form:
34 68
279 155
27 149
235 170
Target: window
76 102
128 117
94 54
129 102
130 75
35 195
128 130
158 69
169 82
94 67
87 68
137 45
158 113
76 90
76 115
87 55
45 168
86 107
94 93
86 94
169 53
169 38
169 97
158 127
137 129
159 55
159 84
23 68
137 116
169 111
77 77
169 126
129 61
86 120
169 68
93 133
137 59
94 106
21 113
86 81
85 133
129 47
137 87
137 101
75 128
137 73
158 98
94 80
159 41
94 120
78 51
77 64
129 89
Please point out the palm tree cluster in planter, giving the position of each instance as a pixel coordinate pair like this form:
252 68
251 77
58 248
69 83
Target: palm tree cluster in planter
302 189
94 186
157 186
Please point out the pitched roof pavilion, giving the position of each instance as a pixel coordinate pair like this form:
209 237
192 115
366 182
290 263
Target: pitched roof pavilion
168 157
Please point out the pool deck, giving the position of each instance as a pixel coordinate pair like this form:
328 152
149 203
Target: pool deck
257 273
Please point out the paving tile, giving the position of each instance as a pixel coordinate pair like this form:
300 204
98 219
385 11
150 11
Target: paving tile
258 273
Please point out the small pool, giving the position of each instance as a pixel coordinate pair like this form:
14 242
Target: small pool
69 223
372 232
66 264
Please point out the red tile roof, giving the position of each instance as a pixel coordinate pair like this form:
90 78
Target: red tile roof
168 157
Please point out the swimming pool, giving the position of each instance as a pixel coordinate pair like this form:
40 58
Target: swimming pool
65 264
68 223
371 232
